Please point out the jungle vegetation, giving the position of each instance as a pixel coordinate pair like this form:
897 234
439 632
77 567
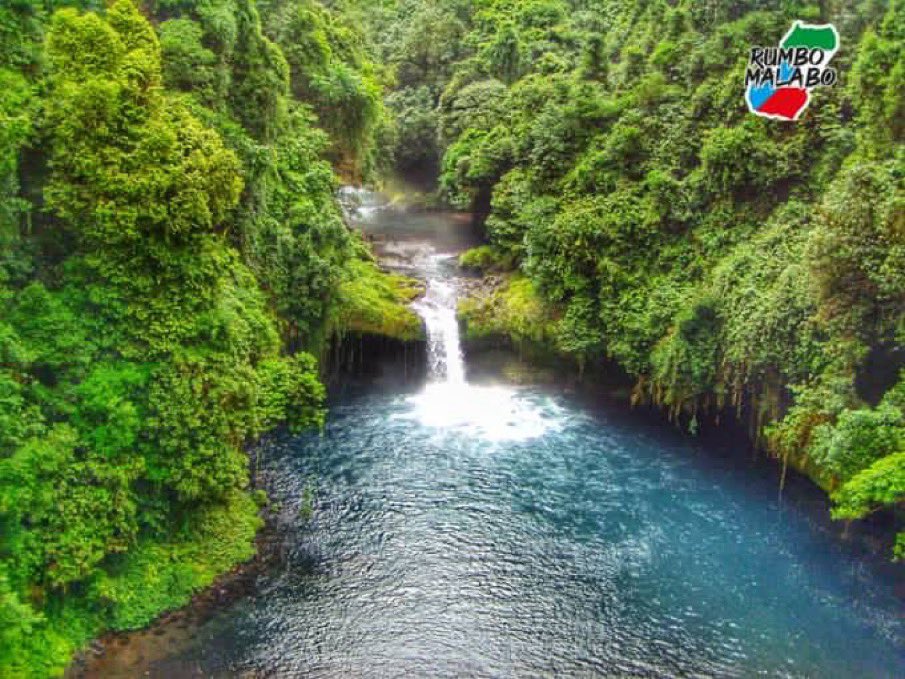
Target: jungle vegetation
173 263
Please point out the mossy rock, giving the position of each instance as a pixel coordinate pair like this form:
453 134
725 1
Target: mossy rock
376 302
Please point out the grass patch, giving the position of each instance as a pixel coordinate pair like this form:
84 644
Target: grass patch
375 302
513 310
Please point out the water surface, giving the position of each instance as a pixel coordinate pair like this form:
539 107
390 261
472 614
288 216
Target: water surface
494 532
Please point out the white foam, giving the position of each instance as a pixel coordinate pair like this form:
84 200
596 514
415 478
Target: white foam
491 413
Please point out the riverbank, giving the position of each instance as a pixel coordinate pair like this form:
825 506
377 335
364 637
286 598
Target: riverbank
127 654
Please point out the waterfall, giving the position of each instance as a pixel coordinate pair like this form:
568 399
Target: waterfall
371 211
448 403
359 203
438 310
407 242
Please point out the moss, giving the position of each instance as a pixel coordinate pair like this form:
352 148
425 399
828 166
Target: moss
479 258
512 310
375 302
486 258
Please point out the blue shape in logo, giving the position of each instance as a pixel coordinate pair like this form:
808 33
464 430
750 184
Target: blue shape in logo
757 96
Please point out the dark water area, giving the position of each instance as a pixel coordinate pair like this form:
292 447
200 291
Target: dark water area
468 527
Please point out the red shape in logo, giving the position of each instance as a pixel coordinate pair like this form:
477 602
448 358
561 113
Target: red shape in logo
786 102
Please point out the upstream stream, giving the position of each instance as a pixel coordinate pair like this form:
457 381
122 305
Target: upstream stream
466 527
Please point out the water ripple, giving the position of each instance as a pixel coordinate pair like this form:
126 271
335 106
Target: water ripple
560 545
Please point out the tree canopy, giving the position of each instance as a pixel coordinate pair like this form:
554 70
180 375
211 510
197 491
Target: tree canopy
172 263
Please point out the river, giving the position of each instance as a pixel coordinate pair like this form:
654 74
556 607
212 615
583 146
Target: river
470 528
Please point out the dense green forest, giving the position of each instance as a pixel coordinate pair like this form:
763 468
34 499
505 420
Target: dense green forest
174 265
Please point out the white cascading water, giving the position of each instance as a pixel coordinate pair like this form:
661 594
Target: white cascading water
359 203
448 402
437 307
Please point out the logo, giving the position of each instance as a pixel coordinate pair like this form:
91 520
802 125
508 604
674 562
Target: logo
779 80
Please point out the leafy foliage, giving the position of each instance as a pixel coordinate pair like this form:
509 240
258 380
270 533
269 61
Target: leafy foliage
171 247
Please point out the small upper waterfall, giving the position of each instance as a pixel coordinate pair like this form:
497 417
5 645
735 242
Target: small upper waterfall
438 309
359 203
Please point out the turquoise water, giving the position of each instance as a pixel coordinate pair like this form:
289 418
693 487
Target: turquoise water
475 531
